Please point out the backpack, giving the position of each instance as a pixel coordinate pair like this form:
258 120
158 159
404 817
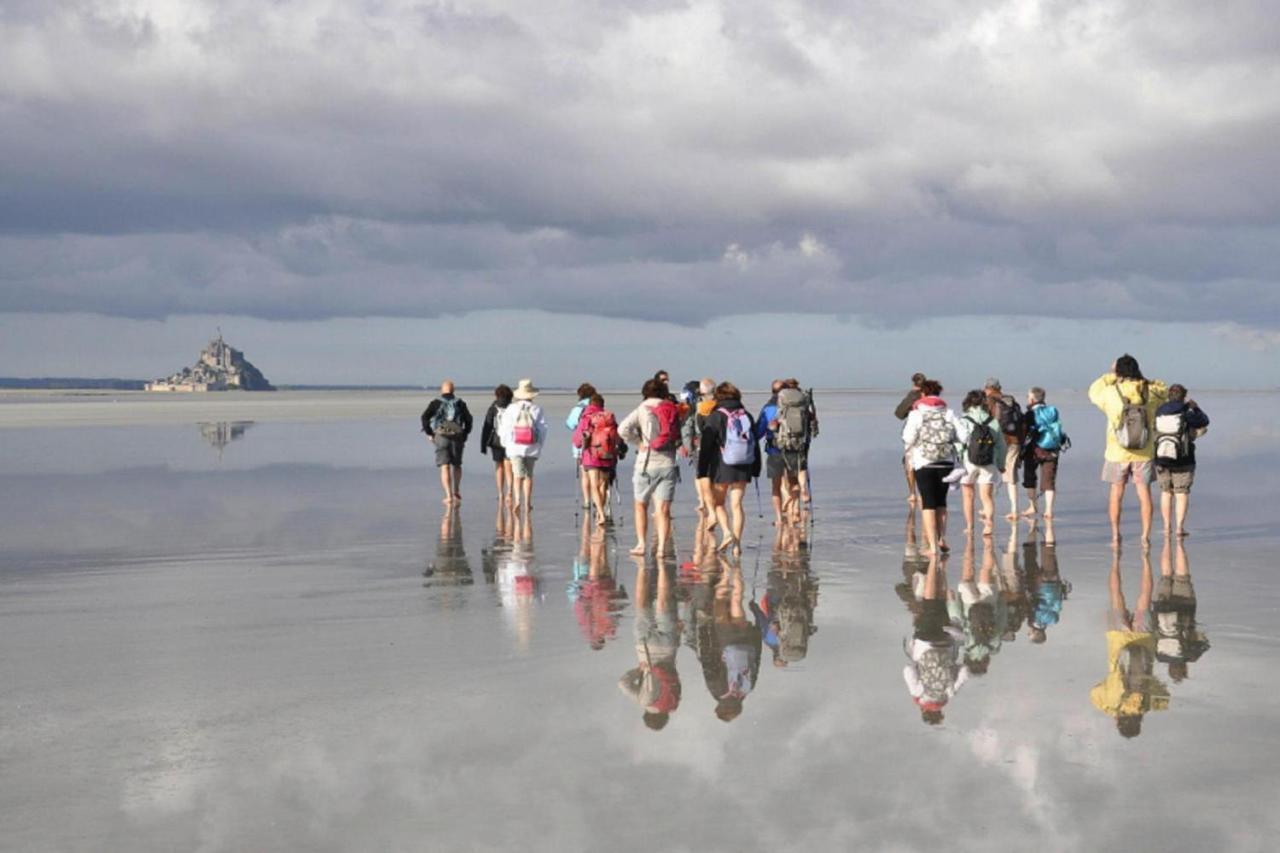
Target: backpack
793 631
1048 428
935 667
495 437
445 422
1132 432
1008 414
667 435
739 447
982 443
792 434
936 437
524 431
1173 439
602 437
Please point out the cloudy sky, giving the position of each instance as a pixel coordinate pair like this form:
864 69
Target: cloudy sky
850 187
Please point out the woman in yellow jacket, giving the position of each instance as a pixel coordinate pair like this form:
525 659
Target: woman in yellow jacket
1112 393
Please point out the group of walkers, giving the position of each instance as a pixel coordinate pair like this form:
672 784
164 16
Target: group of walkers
706 424
1151 436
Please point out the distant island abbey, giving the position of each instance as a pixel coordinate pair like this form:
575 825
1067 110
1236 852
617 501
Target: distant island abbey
220 367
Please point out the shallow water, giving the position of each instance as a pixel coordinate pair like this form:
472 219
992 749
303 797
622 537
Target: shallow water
268 635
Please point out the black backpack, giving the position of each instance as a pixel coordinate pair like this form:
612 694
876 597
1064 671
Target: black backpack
982 443
1009 413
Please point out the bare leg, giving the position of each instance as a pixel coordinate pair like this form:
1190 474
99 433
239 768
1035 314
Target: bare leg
707 501
527 487
775 492
662 517
1031 511
446 482
987 493
1166 507
941 524
805 497
1011 488
736 491
1048 503
966 500
1113 509
720 493
1144 506
585 482
1182 501
642 528
930 519
457 483
911 480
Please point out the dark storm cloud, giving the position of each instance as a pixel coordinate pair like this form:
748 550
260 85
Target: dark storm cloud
662 160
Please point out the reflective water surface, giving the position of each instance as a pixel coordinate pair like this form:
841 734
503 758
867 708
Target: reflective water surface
221 638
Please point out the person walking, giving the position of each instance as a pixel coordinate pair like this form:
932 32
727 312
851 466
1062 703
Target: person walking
1042 449
523 429
599 445
1008 414
1129 400
929 438
901 413
585 391
773 468
730 454
447 423
703 408
787 424
1179 423
491 442
653 428
983 458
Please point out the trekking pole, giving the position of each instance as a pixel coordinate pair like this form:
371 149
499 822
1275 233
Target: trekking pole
813 409
759 505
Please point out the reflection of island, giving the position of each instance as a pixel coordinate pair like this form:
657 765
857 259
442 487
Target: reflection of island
221 433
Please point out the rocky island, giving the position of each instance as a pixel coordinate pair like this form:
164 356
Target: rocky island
220 368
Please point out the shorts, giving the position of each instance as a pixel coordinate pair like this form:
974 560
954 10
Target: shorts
981 475
1175 482
658 484
1012 455
930 485
933 620
448 450
725 474
1047 467
522 466
786 463
499 454
1123 472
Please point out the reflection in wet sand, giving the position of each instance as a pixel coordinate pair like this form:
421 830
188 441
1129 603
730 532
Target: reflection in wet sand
1179 641
221 433
1131 688
597 597
654 682
515 573
450 566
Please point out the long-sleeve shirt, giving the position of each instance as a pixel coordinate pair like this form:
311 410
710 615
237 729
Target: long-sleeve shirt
461 414
506 428
1195 420
1110 393
489 429
911 434
904 408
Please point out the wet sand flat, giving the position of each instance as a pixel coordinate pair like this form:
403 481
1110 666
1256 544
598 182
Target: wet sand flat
251 625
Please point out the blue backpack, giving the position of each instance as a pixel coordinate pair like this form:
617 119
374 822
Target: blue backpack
1048 428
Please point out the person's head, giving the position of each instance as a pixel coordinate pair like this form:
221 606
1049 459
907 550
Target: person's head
975 399
653 388
707 386
778 385
1177 393
931 716
663 377
992 386
931 387
916 379
1037 634
727 391
585 390
791 383
446 387
502 394
656 720
1127 368
1036 395
1129 725
729 708
1178 670
597 401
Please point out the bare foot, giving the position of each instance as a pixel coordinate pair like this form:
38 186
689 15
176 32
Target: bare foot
1049 515
1184 533
944 547
1028 513
637 551
1011 517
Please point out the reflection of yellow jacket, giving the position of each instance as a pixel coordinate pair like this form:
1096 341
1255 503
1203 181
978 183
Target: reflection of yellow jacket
1110 695
1102 393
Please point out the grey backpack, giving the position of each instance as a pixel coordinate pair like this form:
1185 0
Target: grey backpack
792 434
1133 430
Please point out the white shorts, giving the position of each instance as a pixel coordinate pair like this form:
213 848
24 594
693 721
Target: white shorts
981 475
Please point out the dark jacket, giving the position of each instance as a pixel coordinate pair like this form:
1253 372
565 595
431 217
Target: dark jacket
713 436
1196 420
489 429
464 415
904 408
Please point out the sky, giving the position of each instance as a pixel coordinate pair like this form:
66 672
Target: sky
388 190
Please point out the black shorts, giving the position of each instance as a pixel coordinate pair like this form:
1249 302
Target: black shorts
499 454
933 492
448 450
932 620
731 474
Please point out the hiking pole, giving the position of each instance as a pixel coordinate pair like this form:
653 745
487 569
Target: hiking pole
759 505
813 433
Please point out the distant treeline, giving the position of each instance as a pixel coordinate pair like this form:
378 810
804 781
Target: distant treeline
59 383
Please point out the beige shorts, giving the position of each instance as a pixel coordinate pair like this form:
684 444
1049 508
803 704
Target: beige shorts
1177 482
1011 454
1123 472
522 466
981 475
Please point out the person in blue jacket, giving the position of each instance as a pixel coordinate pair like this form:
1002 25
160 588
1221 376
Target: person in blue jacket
1179 423
774 466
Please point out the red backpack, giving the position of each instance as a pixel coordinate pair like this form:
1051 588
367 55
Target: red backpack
667 436
602 436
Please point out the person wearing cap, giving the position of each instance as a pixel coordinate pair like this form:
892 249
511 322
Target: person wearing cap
523 429
447 422
1007 413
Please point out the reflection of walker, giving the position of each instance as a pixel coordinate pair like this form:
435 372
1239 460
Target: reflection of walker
518 587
